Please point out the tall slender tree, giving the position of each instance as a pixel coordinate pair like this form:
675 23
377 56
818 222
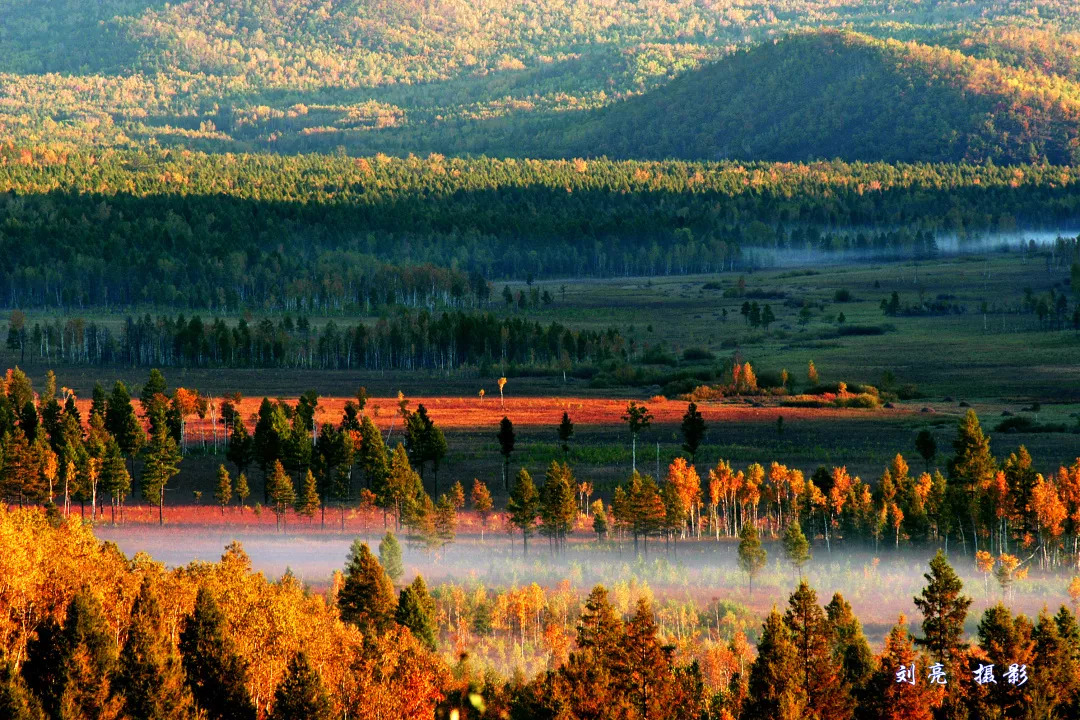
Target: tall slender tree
215 673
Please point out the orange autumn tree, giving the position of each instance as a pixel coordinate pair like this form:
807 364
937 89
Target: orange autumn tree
687 485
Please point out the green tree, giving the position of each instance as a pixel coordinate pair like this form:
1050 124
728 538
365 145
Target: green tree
970 467
812 636
162 463
774 690
752 556
850 647
796 546
390 556
693 430
445 520
216 675
366 598
524 506
243 491
566 431
600 520
16 701
415 610
301 695
371 456
506 446
926 446
308 502
223 490
481 502
121 421
944 610
637 418
558 508
281 491
241 451
149 675
115 480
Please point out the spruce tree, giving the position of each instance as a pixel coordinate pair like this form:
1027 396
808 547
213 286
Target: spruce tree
216 675
121 421
241 450
599 627
16 701
366 598
773 688
524 506
301 695
850 647
812 636
390 556
149 678
885 697
223 490
307 502
944 610
507 439
693 430
281 492
796 546
415 611
558 507
162 464
752 556
566 431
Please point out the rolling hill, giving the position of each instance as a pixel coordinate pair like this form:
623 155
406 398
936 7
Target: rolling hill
832 94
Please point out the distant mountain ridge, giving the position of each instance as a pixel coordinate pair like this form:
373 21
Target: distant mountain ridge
834 94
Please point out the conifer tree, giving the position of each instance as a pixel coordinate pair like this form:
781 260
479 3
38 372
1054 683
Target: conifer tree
243 491
969 469
524 506
216 675
98 401
752 556
281 491
1006 641
307 502
482 503
366 598
693 430
149 677
796 546
241 451
444 520
16 701
223 489
558 508
162 463
812 636
887 699
301 695
457 495
415 610
850 647
1055 679
644 664
600 519
566 431
773 688
390 556
598 627
371 456
507 438
944 610
121 421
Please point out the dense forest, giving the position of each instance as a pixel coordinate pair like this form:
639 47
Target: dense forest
316 232
837 94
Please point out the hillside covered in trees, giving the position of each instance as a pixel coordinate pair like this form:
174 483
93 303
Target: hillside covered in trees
840 94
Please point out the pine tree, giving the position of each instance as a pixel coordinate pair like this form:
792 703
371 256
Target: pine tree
752 556
307 502
301 695
887 699
598 627
390 556
223 490
600 520
415 610
371 456
812 636
216 675
281 491
637 419
944 610
241 451
149 676
971 467
98 401
16 701
482 503
524 506
1055 679
121 421
644 665
507 438
457 495
445 520
773 690
162 464
558 508
243 491
693 430
566 431
796 546
1005 641
850 647
366 598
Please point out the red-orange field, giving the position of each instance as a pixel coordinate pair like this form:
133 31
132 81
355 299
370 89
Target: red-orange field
472 412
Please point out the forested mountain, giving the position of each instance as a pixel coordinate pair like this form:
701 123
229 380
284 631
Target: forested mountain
515 77
846 95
